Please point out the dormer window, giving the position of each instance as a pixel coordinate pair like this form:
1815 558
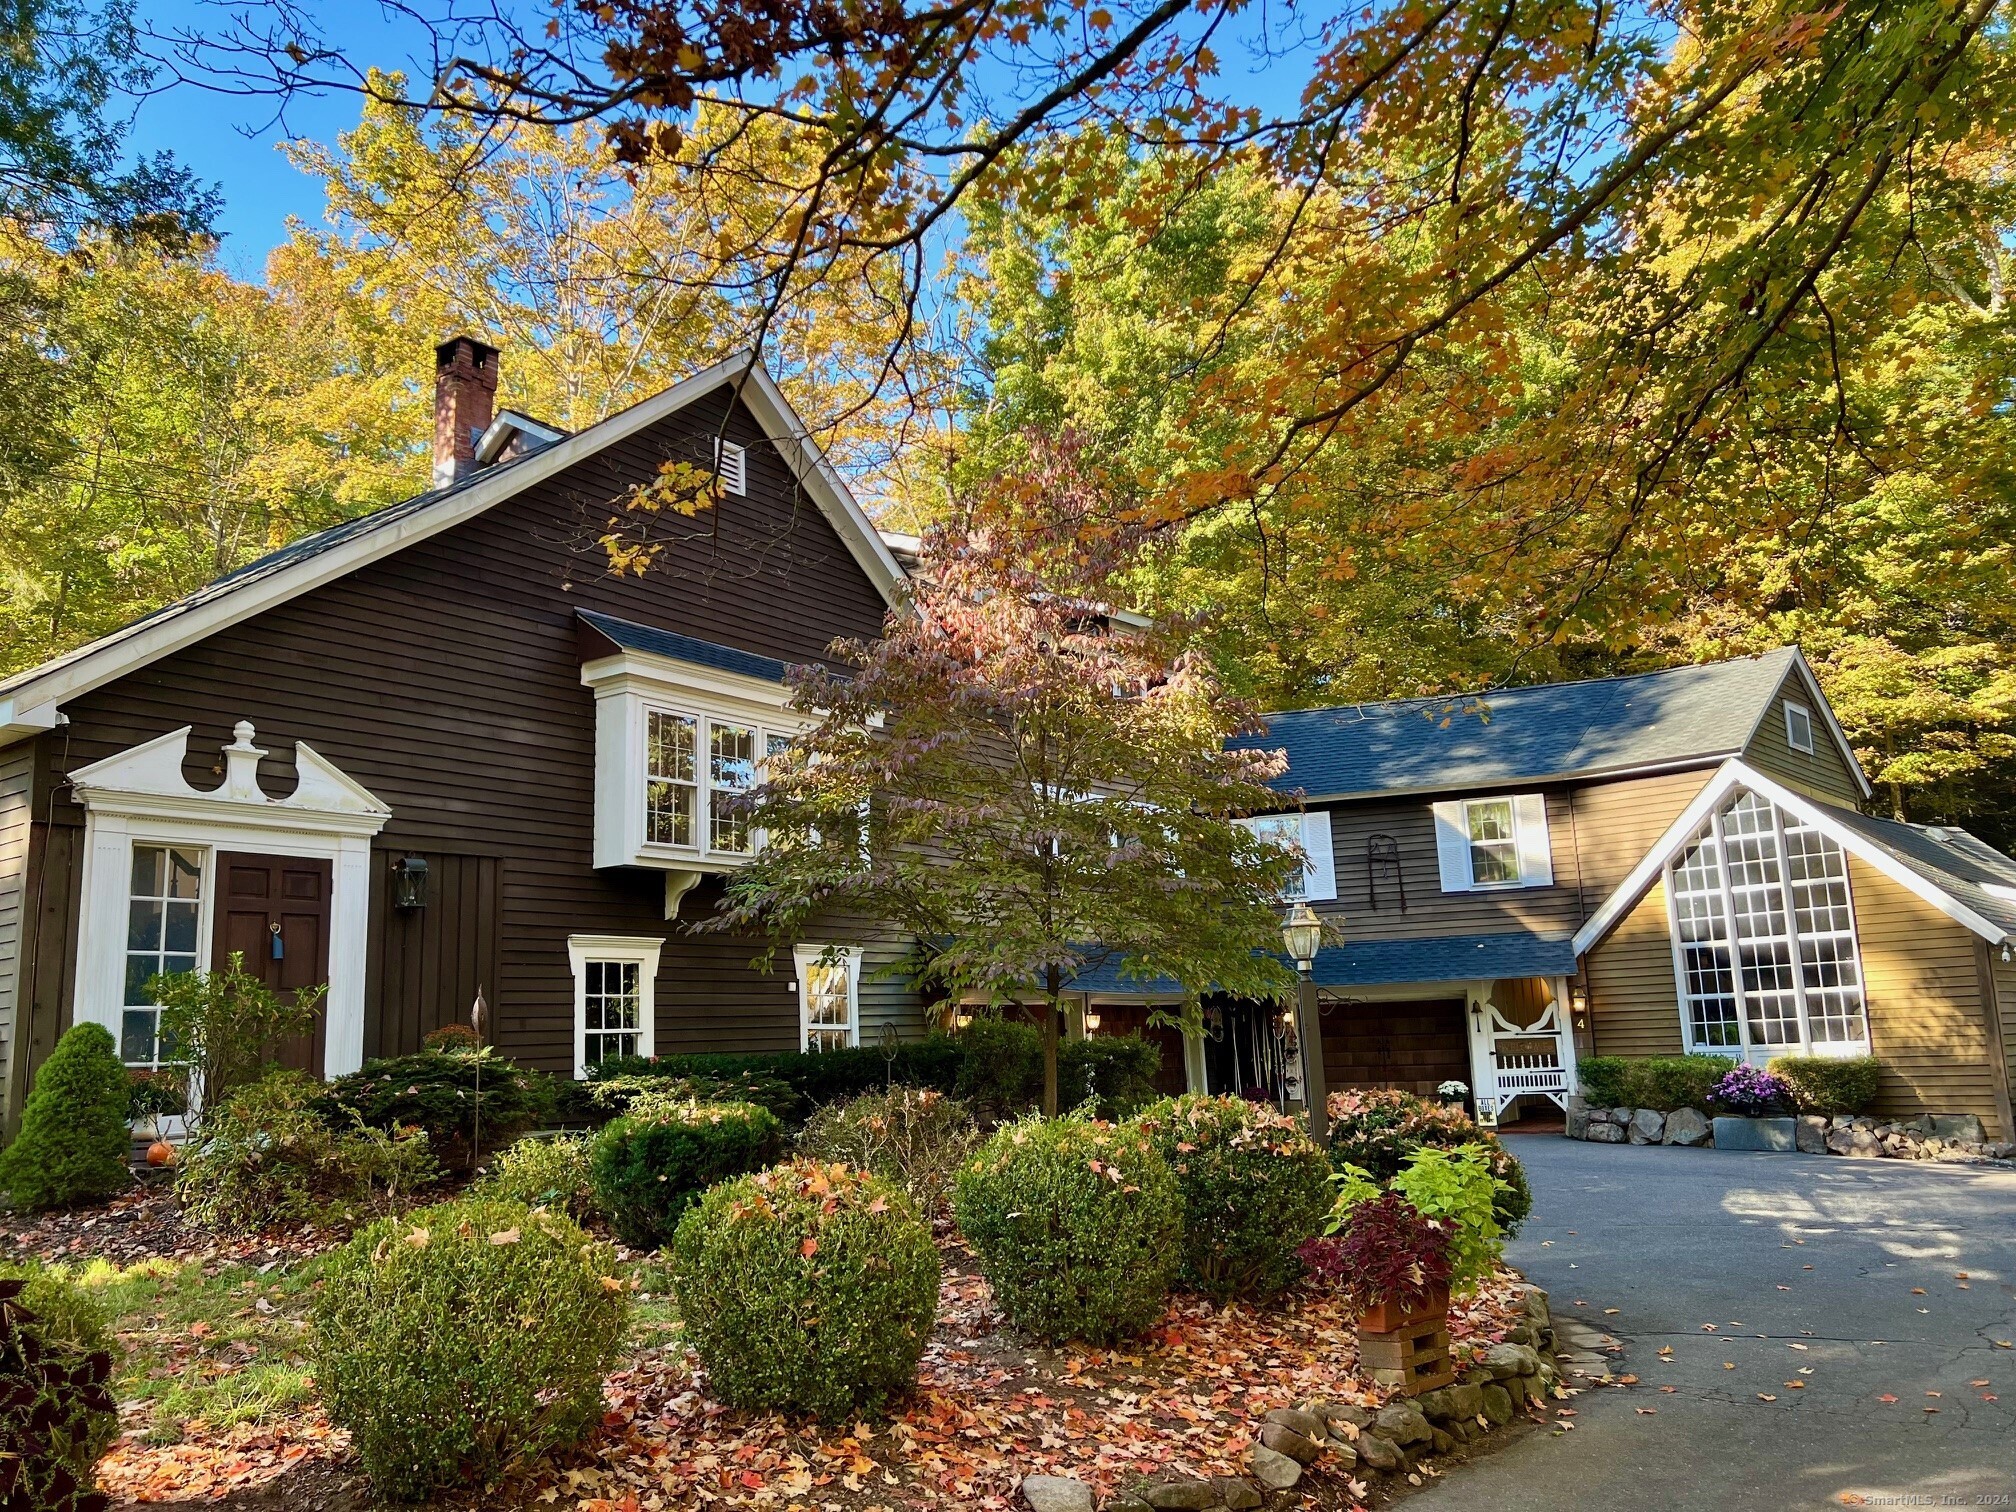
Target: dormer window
1799 727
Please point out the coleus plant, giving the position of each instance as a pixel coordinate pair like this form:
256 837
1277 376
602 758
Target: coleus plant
1384 1251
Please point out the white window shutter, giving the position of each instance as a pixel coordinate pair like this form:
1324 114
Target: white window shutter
1320 868
1536 856
1452 846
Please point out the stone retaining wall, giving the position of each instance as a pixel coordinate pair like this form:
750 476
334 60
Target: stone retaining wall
1954 1138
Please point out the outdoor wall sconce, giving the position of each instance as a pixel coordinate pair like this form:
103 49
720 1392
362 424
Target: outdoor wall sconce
1578 1006
409 883
961 1020
1091 1023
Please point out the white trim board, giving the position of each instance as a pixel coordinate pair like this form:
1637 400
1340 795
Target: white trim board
31 696
1735 773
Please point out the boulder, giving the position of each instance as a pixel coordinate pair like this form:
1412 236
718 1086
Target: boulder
1287 1441
1686 1126
1537 1307
1056 1493
1507 1360
1236 1494
1277 1472
1810 1136
1962 1126
1179 1494
1435 1405
1606 1133
1621 1116
1441 1442
1497 1405
1862 1145
1309 1424
1578 1118
1378 1454
1334 1413
1466 1401
1401 1422
1127 1501
1648 1126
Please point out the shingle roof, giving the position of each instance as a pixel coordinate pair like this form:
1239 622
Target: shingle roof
649 638
1957 863
1380 963
1532 734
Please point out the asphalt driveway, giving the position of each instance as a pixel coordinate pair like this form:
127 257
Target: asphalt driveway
1795 1293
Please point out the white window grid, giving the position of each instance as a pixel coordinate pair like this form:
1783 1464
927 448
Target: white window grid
164 920
612 1004
1284 830
1764 936
1492 829
680 788
829 981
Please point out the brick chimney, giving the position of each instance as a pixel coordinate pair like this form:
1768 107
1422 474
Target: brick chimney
465 399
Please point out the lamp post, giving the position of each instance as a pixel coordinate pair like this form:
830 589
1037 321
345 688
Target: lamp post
1302 934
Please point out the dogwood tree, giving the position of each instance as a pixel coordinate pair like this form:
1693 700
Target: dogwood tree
1031 786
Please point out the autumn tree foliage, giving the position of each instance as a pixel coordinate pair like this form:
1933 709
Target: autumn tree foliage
1025 785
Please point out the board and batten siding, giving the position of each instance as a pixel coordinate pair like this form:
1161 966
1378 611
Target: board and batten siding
446 679
17 774
1923 985
1824 774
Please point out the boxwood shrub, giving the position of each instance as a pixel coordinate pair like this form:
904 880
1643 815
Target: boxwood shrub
459 1341
913 1137
649 1165
1254 1187
1659 1082
1823 1084
826 1077
809 1287
549 1173
1077 1226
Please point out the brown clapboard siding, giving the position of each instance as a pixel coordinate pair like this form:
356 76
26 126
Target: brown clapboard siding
1430 911
1824 774
1925 1010
2003 977
446 679
1634 1002
1616 823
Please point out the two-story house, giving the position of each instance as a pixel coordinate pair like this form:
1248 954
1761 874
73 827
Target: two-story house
1642 865
442 750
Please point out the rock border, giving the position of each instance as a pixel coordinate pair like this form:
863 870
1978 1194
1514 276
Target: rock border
1359 1441
1953 1138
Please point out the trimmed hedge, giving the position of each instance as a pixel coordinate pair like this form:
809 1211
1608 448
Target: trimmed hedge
1823 1084
1659 1082
651 1164
1077 1225
995 1064
463 1340
545 1173
808 1287
439 1091
1254 1187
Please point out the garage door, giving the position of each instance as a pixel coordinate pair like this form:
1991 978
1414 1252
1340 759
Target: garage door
1413 1046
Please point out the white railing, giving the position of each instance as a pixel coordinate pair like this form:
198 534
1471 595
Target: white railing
1527 1059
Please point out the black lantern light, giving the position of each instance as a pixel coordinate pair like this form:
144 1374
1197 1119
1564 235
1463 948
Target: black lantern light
409 883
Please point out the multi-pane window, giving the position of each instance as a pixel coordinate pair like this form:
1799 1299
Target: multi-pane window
1765 934
163 918
672 778
1494 843
696 769
828 982
612 1010
731 772
1284 830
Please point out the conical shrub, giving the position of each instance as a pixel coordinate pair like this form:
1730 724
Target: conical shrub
74 1138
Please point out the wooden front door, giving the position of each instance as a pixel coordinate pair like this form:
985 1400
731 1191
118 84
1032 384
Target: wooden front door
274 911
1413 1046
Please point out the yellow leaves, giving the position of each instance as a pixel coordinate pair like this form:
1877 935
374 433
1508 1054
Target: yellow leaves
505 1236
418 1238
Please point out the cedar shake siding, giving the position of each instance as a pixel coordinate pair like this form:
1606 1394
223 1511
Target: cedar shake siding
446 679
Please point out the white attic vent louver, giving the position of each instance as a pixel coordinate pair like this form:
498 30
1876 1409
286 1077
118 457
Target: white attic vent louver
731 466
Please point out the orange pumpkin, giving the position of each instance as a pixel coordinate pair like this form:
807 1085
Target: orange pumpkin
160 1153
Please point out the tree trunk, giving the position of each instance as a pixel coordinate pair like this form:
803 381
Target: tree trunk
1053 1010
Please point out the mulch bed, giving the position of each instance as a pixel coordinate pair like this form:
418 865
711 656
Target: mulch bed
989 1409
146 1224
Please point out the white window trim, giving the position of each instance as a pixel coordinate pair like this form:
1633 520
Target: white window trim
1794 708
1743 1049
639 950
1319 866
810 953
629 687
140 796
1532 842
